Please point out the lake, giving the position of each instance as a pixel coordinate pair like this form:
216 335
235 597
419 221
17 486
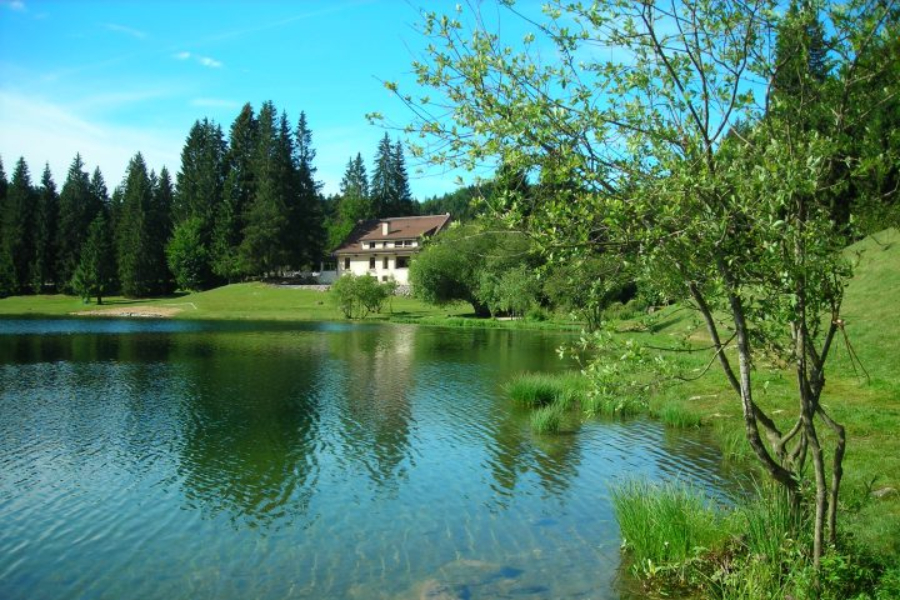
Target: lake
177 459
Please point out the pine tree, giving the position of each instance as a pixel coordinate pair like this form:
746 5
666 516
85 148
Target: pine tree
99 193
44 262
383 179
308 216
354 203
3 186
403 204
136 264
78 207
161 231
391 196
199 196
238 190
262 249
201 179
19 213
7 283
95 274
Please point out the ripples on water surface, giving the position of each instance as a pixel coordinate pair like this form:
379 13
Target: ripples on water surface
169 459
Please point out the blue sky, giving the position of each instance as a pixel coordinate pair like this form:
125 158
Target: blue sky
110 78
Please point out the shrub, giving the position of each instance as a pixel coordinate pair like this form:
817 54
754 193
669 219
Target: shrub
359 296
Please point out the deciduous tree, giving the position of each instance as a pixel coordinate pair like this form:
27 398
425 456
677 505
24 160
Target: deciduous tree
663 148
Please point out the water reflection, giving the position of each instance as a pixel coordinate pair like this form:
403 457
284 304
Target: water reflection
373 376
309 460
250 429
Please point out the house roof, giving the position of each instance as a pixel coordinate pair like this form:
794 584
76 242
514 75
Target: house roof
399 228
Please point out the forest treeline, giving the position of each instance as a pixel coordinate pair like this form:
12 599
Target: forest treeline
241 206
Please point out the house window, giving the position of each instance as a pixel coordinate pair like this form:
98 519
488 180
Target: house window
372 245
384 263
346 264
372 262
402 262
384 277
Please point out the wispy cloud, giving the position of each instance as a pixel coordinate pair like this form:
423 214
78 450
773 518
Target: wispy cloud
203 60
214 103
17 5
209 62
43 131
331 9
129 31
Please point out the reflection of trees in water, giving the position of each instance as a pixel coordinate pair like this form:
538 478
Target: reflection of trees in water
516 451
376 374
249 440
556 461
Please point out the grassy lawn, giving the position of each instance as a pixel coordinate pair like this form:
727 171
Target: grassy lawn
242 301
263 302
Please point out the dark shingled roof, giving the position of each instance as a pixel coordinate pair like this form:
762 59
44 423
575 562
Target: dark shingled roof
400 228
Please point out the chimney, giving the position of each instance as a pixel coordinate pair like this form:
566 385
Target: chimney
385 227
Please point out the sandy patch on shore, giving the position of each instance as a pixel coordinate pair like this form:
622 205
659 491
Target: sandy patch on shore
150 312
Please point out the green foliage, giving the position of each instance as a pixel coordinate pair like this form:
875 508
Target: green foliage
200 193
143 231
79 205
306 230
517 291
239 188
354 203
718 190
465 204
43 265
261 250
18 230
390 194
187 255
357 297
95 275
468 263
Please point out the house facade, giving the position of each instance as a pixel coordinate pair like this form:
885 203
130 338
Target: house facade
383 248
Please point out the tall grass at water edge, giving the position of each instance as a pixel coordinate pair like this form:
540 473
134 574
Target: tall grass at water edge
550 396
680 542
533 390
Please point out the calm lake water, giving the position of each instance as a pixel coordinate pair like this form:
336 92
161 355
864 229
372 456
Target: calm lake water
172 459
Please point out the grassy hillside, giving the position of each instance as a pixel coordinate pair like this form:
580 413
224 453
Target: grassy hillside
866 398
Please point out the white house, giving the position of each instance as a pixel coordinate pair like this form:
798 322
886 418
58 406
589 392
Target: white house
383 247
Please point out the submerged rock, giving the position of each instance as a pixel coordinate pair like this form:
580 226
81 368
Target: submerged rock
435 590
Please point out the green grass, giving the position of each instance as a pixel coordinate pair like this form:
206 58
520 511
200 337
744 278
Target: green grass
678 416
242 301
534 390
665 523
547 419
264 302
